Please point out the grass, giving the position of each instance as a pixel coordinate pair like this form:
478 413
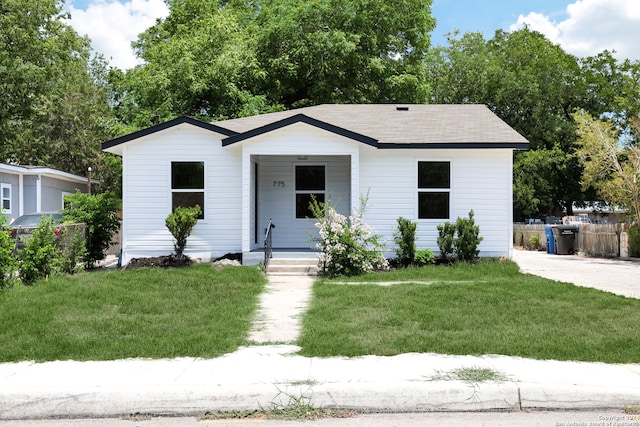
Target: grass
487 308
153 313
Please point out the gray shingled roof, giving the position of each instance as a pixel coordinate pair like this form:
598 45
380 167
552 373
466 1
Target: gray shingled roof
388 124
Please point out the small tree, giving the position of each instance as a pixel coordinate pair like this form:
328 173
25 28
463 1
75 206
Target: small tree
405 238
73 249
610 166
461 238
467 239
99 213
8 262
180 223
39 252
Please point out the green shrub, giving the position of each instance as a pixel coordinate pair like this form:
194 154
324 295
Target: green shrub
424 257
180 223
534 242
461 239
73 249
468 239
39 252
634 241
405 238
99 213
446 233
8 262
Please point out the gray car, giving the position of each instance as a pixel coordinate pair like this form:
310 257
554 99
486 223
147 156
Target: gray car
25 224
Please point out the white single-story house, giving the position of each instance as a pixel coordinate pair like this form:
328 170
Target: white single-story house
428 163
35 189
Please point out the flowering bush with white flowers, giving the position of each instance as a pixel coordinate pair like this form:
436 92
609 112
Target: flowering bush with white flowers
348 246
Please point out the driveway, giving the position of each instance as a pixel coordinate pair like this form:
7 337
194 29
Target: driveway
610 275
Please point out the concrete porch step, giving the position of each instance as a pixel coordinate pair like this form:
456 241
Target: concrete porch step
293 266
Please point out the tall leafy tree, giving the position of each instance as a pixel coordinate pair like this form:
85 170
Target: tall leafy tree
53 106
216 59
199 61
357 51
535 87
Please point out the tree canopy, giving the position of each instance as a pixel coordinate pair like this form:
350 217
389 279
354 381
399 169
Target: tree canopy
534 86
216 59
54 107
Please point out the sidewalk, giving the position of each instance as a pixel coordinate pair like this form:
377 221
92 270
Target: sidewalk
255 377
261 376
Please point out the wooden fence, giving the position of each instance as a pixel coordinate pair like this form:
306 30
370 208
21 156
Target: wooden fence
602 240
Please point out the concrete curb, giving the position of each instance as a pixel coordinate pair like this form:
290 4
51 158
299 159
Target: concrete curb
392 397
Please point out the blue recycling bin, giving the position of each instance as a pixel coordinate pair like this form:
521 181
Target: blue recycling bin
551 246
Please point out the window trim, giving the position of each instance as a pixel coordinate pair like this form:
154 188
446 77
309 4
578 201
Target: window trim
420 190
296 191
65 194
189 190
2 198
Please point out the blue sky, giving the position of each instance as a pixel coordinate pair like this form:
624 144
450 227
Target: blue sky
487 16
581 27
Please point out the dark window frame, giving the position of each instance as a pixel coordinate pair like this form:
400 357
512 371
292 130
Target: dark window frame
303 191
185 190
434 190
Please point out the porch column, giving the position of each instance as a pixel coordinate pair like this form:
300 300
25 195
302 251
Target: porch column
246 201
355 181
20 195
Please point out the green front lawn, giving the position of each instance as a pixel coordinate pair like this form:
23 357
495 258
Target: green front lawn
152 313
488 308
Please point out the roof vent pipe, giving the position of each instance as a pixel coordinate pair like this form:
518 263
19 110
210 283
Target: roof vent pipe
400 108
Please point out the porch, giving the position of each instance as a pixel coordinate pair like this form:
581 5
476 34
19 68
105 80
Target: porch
280 188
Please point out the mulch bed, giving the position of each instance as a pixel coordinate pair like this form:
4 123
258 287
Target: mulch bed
160 261
173 261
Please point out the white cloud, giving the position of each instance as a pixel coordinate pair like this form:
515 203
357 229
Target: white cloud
591 27
112 26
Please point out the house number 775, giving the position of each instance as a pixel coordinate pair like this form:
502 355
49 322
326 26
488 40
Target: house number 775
278 183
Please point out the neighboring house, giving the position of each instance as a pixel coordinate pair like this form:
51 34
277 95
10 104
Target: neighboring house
428 163
32 189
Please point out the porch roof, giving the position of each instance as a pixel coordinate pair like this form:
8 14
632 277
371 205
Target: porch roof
391 126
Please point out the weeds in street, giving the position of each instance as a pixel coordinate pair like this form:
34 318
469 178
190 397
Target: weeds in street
287 406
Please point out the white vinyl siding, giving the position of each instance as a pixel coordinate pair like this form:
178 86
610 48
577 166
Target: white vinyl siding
147 194
480 180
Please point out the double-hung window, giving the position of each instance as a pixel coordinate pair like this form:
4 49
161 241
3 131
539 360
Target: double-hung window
434 190
187 185
5 192
310 184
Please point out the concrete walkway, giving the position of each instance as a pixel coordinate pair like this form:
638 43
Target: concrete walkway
282 305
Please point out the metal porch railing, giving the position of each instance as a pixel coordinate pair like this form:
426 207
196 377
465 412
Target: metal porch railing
268 248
